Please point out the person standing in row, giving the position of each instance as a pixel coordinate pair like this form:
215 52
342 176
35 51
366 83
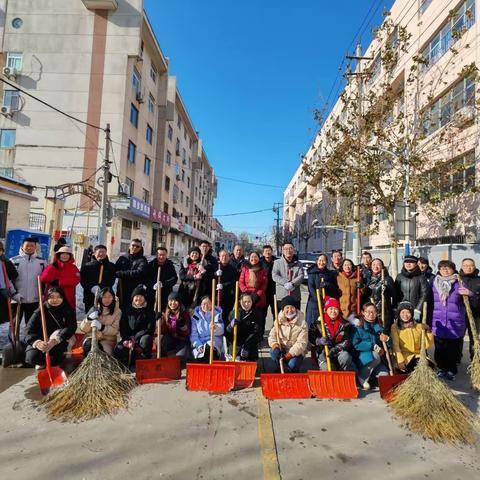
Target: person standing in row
191 276
29 266
287 273
348 286
226 277
267 260
168 277
337 260
237 258
209 261
8 274
91 279
132 269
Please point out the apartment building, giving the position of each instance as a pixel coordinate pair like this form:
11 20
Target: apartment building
98 61
443 34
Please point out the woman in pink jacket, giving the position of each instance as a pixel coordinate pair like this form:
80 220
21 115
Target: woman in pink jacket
254 279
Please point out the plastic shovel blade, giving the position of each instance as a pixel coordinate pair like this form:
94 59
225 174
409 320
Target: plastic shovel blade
218 377
77 349
388 383
332 384
244 373
277 386
158 370
50 378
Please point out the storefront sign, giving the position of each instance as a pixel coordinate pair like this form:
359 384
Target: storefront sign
159 217
139 208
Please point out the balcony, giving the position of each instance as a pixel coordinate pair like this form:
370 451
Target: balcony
101 4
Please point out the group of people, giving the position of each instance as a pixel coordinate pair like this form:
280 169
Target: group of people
367 314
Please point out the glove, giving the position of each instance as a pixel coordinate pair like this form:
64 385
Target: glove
17 298
95 289
218 273
288 286
323 341
353 320
219 286
157 285
333 352
416 315
322 285
93 315
200 349
243 353
128 344
96 324
359 285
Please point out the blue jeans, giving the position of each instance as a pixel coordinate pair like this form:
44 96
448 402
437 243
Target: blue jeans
292 366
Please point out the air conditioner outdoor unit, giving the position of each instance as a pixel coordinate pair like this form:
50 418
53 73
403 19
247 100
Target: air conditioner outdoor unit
125 189
471 234
464 116
6 110
10 72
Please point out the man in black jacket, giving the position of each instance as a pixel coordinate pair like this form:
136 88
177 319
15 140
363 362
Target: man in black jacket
267 260
412 286
168 277
226 276
94 277
237 259
132 270
209 262
469 276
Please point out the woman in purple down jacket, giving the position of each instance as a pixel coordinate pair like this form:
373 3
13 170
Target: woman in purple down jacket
448 323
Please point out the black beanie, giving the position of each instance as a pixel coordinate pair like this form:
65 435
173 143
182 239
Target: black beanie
174 296
194 249
404 306
58 290
140 290
288 300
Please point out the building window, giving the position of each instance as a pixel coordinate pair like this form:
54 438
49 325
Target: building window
181 196
175 194
149 134
151 104
131 151
146 195
188 182
134 115
442 111
177 147
136 81
153 73
457 23
146 166
190 143
424 4
11 98
165 207
170 132
183 175
169 158
167 183
179 122
375 69
7 138
187 200
15 60
184 156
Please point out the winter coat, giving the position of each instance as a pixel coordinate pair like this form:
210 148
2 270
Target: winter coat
249 328
168 277
227 279
200 335
189 285
293 334
364 338
177 326
29 267
348 293
64 275
429 275
237 264
449 320
210 264
137 322
90 276
374 295
411 287
284 271
315 275
338 331
7 289
268 266
261 282
365 273
108 334
132 271
406 342
60 318
472 282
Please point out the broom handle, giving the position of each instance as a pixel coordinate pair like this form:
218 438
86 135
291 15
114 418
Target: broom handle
385 347
235 316
471 320
218 291
100 275
18 319
323 329
44 327
212 323
277 330
423 349
358 291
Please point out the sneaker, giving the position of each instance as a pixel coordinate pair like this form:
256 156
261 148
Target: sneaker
366 385
450 376
39 367
441 374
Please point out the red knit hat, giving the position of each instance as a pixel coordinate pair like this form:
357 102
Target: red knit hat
331 302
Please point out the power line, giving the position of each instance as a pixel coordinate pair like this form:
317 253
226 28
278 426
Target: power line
249 183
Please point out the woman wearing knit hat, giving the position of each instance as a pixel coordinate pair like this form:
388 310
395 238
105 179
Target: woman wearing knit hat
338 338
191 275
176 325
293 336
136 329
406 338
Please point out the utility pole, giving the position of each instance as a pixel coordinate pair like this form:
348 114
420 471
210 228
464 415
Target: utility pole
276 210
104 208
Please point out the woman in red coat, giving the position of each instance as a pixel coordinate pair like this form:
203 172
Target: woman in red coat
254 278
63 273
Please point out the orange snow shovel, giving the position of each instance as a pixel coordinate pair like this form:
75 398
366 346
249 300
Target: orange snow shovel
159 369
211 377
330 384
281 385
387 383
52 376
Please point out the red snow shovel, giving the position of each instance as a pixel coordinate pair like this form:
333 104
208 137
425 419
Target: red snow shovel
159 369
331 384
387 383
52 376
211 377
277 386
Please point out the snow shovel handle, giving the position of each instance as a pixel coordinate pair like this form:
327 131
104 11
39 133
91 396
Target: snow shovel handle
212 323
358 290
323 329
158 309
384 344
44 327
235 314
277 330
219 281
471 320
100 275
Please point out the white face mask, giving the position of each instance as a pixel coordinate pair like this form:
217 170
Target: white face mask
291 315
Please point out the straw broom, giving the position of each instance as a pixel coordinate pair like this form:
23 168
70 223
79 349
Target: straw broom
474 367
99 386
428 407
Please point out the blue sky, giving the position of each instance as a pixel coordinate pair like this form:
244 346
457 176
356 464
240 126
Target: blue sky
251 73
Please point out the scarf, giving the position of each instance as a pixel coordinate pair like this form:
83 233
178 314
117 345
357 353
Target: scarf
444 285
347 275
252 275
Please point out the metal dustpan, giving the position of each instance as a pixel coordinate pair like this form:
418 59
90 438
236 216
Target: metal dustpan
388 383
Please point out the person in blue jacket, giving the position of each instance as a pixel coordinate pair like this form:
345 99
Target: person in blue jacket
367 346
